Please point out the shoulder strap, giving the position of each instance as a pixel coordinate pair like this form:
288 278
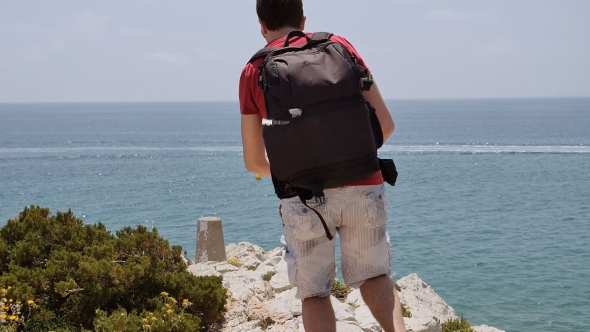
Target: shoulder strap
321 35
261 53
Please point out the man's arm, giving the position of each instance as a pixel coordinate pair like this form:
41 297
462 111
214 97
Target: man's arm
253 144
374 97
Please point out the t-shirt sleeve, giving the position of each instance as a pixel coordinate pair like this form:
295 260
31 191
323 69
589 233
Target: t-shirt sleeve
249 90
351 50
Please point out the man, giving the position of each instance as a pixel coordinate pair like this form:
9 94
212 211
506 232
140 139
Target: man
357 212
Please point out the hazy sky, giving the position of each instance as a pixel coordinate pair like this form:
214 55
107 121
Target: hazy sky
181 50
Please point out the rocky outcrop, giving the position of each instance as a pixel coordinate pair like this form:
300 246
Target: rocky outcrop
424 304
261 299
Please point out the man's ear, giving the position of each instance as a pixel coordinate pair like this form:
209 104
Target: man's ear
303 23
263 28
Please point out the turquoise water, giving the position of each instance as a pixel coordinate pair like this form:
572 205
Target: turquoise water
491 206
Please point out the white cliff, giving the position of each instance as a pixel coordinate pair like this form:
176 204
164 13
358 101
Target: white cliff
261 299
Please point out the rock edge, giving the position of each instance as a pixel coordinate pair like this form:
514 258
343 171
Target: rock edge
260 297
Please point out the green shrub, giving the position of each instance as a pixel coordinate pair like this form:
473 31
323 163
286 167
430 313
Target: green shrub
75 274
168 316
406 312
340 290
456 325
235 261
267 276
266 323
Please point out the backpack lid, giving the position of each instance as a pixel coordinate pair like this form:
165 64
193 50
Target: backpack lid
317 36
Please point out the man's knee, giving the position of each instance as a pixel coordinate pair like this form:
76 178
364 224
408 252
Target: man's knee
316 299
381 279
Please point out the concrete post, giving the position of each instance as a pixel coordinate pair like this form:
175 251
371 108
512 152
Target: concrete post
210 243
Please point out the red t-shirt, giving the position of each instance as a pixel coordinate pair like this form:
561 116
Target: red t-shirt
252 97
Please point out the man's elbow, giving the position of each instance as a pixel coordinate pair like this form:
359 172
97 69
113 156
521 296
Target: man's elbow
388 130
250 166
254 166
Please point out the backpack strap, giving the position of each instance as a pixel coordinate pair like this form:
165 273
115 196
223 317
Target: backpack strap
261 53
307 194
265 51
321 35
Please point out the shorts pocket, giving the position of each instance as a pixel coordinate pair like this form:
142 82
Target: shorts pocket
300 222
376 203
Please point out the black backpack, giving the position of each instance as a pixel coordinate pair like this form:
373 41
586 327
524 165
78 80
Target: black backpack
320 132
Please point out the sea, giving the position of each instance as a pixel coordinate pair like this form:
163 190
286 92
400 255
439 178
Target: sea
491 207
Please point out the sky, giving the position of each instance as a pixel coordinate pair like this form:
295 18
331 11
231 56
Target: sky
194 50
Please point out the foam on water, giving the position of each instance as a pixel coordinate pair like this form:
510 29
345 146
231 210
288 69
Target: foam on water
387 148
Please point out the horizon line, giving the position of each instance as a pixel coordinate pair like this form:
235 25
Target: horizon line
236 101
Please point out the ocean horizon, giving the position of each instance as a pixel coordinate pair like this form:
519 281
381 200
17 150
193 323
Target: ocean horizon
491 206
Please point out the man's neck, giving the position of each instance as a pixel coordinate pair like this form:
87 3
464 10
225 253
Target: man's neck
276 34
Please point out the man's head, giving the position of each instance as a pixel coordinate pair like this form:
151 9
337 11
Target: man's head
278 14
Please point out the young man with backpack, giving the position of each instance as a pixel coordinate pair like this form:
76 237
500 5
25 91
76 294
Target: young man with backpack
312 120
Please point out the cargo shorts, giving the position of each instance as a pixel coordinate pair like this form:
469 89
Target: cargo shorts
358 214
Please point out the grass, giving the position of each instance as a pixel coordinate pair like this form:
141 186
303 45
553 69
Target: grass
266 323
340 290
268 275
456 325
234 261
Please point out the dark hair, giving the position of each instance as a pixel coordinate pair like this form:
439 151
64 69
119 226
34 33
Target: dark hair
277 14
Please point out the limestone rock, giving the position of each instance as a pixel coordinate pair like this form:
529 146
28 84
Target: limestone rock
251 300
344 311
485 328
224 267
424 324
422 300
348 326
365 319
204 269
280 280
244 250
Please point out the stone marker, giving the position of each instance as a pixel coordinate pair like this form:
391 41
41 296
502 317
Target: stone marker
210 244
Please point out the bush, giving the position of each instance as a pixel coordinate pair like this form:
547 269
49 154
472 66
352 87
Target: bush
406 312
76 275
340 290
455 325
169 316
267 276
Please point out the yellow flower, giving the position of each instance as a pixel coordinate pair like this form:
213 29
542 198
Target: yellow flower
185 303
154 318
145 320
31 302
9 287
169 311
147 325
10 300
3 290
12 317
3 316
164 294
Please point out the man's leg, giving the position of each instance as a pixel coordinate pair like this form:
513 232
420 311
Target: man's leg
381 297
318 315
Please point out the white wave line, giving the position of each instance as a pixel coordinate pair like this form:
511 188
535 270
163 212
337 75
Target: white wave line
111 149
389 148
487 148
